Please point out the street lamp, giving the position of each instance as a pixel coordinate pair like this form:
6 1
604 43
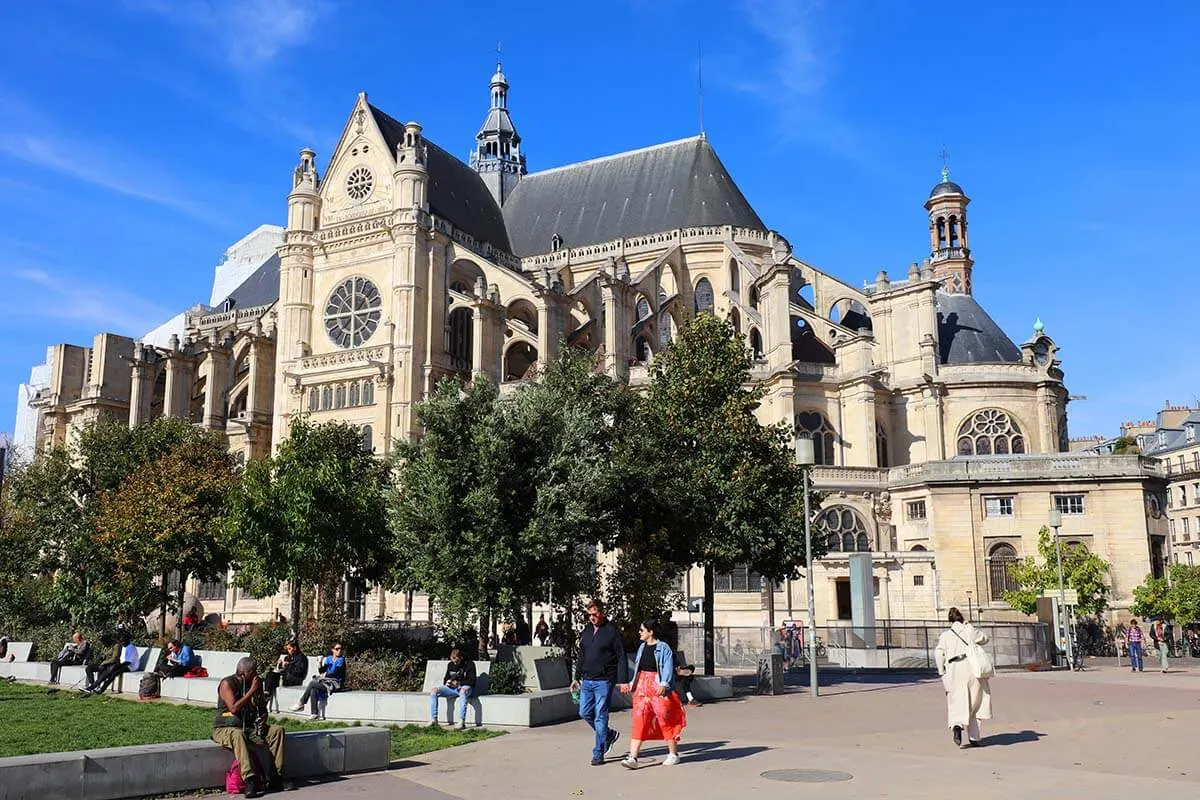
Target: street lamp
806 458
1056 523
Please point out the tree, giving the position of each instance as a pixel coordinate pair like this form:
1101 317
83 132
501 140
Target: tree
167 515
24 586
1083 571
1125 446
501 497
310 514
719 489
1176 598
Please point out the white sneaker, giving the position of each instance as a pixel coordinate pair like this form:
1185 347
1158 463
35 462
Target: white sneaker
297 707
314 717
629 762
671 760
462 725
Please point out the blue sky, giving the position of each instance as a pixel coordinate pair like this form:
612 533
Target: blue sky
139 138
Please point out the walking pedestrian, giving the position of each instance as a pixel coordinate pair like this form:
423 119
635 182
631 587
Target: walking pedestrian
657 712
1133 640
598 667
968 699
1159 634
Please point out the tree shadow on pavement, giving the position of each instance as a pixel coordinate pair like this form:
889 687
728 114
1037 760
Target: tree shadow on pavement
1005 739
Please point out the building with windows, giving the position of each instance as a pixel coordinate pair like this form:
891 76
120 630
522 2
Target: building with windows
940 441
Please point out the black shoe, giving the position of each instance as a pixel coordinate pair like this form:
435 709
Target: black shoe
612 739
597 762
253 787
958 735
279 784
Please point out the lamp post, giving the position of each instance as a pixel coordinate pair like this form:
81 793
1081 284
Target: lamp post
1056 523
806 458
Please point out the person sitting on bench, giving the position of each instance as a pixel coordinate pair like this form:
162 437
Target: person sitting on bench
124 658
291 668
241 724
332 678
178 662
75 653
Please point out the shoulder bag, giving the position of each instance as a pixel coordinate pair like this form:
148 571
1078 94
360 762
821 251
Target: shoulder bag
980 661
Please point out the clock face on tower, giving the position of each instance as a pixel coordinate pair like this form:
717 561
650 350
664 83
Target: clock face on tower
352 313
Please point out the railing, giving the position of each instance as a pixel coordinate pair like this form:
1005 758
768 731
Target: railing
902 645
1024 467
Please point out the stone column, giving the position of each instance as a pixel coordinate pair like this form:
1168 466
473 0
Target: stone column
216 384
774 303
178 396
141 385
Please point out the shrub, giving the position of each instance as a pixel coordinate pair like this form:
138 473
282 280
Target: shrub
506 677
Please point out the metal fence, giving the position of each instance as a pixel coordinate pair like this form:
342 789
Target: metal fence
908 645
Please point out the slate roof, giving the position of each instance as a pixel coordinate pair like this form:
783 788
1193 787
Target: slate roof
1173 438
946 187
680 184
261 287
967 335
456 193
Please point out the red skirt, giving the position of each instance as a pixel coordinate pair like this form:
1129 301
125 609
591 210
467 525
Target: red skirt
654 716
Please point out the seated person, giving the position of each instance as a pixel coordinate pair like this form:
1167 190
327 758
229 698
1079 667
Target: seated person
178 662
124 657
241 724
459 682
4 654
74 653
290 669
332 678
190 620
683 684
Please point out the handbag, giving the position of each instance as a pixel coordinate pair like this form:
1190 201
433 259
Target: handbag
980 661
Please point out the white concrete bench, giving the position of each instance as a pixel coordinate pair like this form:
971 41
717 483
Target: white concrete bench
19 651
158 769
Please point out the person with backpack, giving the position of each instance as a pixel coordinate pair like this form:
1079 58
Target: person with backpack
241 724
968 698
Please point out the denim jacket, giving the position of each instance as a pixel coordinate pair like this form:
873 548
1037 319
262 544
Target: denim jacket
664 657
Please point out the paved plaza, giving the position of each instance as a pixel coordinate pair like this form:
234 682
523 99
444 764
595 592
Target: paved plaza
1097 734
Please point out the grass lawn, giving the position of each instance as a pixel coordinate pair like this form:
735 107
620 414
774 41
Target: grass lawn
46 720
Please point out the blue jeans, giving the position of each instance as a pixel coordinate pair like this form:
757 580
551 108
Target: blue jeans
594 698
463 693
1135 655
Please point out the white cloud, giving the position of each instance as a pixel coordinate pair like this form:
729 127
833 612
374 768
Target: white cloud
36 292
73 161
250 33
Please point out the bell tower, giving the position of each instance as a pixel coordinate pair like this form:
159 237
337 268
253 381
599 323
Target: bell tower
497 156
950 255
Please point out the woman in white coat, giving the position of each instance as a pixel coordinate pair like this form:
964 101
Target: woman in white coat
968 699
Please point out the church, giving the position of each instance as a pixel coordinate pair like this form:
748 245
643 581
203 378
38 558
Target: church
941 443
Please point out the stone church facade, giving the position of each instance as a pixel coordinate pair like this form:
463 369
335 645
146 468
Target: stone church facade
940 441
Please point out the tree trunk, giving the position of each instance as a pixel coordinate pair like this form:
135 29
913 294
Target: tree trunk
294 588
179 616
710 655
162 609
484 623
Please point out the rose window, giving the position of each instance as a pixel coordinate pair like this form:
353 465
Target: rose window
352 313
990 432
359 183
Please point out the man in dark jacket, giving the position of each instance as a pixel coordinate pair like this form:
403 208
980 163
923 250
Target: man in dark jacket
291 669
459 682
598 667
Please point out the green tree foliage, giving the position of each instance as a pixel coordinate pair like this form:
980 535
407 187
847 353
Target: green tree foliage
1125 446
1083 571
640 585
503 497
311 513
167 515
719 488
56 501
1177 598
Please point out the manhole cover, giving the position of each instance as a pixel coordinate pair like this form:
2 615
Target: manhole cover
806 775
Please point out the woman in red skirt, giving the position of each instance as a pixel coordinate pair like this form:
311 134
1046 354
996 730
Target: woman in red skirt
657 712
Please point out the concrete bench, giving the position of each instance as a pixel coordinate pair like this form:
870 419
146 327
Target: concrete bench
219 663
158 769
19 651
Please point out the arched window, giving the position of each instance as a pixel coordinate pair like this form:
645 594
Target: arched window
990 431
643 309
704 296
735 276
941 233
754 297
368 439
954 231
326 398
354 396
368 392
881 447
458 339
339 397
756 345
844 530
519 360
314 399
641 350
666 330
918 548
814 425
736 319
1001 560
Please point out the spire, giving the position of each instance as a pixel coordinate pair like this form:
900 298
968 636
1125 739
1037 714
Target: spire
497 155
